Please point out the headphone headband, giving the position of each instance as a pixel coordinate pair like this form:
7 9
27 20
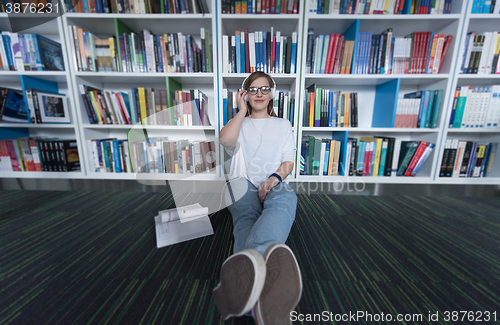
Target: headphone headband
273 89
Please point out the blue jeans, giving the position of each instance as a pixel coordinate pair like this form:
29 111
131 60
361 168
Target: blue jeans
258 225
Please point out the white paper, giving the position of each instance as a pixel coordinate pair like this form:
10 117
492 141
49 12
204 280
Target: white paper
184 214
173 232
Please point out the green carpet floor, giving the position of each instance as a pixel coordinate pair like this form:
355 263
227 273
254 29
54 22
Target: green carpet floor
91 258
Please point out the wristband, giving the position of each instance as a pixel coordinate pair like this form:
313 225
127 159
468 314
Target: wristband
277 176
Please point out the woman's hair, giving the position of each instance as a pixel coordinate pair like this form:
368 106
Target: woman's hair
251 78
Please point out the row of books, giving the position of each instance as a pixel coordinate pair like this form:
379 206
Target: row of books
475 107
146 106
284 105
417 53
259 51
419 109
137 6
480 53
381 7
143 52
325 108
37 154
367 156
260 6
42 107
156 155
467 158
29 52
486 7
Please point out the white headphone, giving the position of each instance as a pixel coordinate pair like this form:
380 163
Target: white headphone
273 89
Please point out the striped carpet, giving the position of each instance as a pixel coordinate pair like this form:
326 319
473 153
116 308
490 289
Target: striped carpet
91 257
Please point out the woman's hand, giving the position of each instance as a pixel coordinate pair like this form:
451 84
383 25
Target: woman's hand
267 186
240 101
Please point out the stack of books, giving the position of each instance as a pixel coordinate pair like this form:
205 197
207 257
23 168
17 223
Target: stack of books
419 109
384 7
154 155
260 6
325 108
467 158
416 53
29 52
142 52
37 154
137 6
475 107
480 53
247 52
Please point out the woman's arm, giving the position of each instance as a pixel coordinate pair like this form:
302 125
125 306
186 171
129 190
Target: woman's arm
284 170
230 132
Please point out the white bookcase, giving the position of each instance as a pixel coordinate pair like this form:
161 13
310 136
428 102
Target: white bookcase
478 23
366 84
457 24
49 26
104 24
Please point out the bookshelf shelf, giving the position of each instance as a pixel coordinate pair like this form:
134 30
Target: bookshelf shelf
150 127
46 175
369 130
38 126
450 17
364 179
476 130
141 16
133 78
153 176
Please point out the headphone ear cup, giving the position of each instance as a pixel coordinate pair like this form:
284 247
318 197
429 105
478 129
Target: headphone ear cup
246 98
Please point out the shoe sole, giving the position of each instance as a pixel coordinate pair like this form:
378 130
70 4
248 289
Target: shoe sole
242 278
283 287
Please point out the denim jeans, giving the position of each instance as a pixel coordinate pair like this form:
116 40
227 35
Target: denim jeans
258 225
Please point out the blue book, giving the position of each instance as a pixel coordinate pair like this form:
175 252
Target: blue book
426 69
99 7
327 156
319 52
486 7
331 118
242 59
257 51
8 51
133 106
116 156
326 42
277 56
250 4
427 122
303 159
86 6
294 52
48 53
424 109
160 56
361 158
238 53
224 107
292 109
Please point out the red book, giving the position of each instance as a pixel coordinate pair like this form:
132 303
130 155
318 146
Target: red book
446 45
401 7
416 157
247 54
296 9
329 53
396 7
273 6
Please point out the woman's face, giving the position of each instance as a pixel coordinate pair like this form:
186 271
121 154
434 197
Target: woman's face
259 101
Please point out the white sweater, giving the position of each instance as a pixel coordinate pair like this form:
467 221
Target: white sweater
262 158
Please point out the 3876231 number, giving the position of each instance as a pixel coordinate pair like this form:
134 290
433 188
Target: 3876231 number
33 8
471 316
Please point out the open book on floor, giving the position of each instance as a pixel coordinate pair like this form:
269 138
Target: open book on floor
182 224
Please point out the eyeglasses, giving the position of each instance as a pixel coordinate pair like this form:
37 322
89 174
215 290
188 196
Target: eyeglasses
264 90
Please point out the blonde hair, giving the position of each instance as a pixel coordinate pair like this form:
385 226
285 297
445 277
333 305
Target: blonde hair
251 78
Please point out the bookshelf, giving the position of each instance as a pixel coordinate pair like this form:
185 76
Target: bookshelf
286 24
478 23
374 119
49 26
114 24
378 93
